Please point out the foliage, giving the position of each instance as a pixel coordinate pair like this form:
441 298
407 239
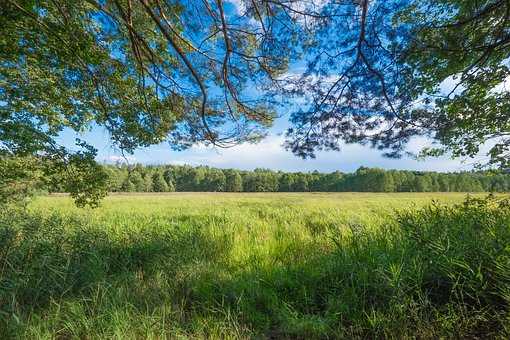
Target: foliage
257 266
381 73
77 174
233 181
158 183
364 71
135 68
468 47
185 178
18 178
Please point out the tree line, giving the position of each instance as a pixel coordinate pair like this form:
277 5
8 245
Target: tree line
183 73
169 178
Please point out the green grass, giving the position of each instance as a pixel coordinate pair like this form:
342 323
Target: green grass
208 265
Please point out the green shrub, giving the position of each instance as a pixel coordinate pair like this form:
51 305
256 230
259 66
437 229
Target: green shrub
463 252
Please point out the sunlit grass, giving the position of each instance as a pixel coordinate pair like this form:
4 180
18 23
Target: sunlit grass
219 266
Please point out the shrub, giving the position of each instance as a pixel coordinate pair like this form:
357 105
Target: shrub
463 252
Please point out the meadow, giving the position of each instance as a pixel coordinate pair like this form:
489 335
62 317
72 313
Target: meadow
295 265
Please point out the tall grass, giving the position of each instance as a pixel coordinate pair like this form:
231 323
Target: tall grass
257 266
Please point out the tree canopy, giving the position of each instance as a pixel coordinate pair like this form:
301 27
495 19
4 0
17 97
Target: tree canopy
215 72
168 178
382 72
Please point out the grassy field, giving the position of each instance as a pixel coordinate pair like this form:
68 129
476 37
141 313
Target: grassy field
210 265
263 211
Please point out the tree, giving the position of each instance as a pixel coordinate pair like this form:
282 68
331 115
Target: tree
151 178
158 182
286 182
301 183
423 183
184 72
116 177
168 175
234 181
214 180
314 182
171 186
260 180
169 179
147 183
192 178
332 182
127 186
140 69
470 45
387 182
138 181
12 169
378 77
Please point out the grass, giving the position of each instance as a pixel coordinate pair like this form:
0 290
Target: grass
207 265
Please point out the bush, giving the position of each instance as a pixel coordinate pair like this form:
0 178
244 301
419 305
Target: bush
463 252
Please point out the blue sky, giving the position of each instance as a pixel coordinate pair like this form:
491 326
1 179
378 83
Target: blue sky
269 153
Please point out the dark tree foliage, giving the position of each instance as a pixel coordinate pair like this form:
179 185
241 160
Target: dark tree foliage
158 182
186 178
382 72
233 181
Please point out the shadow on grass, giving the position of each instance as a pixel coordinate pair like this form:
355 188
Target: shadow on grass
440 273
49 260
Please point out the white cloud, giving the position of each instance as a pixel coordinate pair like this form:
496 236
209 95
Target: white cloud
269 153
239 6
120 159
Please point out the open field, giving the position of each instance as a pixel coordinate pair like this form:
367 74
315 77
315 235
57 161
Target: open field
340 207
210 265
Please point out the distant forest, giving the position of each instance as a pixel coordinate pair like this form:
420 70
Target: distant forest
168 178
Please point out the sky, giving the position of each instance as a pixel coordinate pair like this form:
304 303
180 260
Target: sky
269 153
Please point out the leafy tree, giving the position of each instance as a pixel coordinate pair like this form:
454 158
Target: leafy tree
314 181
140 69
192 179
444 184
466 41
12 169
128 186
332 182
146 178
147 183
260 180
168 175
387 182
423 183
234 181
138 181
378 77
116 177
300 184
150 71
214 180
171 186
407 181
286 182
158 182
